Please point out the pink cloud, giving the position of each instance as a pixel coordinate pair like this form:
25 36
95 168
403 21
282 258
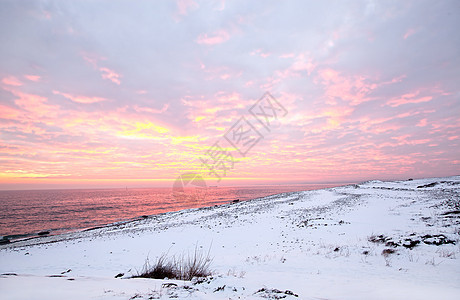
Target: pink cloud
377 125
229 75
334 118
328 75
249 83
7 112
225 76
12 81
422 123
152 110
217 37
259 52
351 88
407 99
409 32
302 63
221 72
381 128
34 78
92 59
110 75
396 79
80 99
106 73
406 139
222 104
35 104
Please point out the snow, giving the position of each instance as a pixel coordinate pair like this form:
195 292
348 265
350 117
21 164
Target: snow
301 245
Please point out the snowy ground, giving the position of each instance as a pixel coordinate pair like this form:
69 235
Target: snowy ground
326 244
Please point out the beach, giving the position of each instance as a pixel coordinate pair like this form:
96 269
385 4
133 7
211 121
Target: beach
373 240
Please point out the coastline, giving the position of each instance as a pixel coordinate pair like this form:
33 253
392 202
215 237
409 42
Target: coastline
78 210
304 242
129 223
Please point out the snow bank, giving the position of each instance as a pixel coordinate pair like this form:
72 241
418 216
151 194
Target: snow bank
375 240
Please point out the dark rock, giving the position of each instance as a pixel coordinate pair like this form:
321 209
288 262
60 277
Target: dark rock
388 251
288 292
45 232
220 288
119 275
271 293
200 280
378 239
436 239
236 201
427 185
409 244
391 244
453 212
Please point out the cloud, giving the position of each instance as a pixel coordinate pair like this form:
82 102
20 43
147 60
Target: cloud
34 78
95 60
217 37
261 53
7 112
354 89
110 75
410 98
80 99
151 110
12 81
146 130
35 104
409 32
221 72
92 59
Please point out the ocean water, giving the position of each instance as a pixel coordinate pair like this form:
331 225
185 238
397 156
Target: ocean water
27 213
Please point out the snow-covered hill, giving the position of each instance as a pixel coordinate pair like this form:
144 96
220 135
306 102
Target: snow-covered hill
375 240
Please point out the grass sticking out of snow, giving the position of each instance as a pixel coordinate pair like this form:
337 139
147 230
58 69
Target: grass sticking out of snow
184 267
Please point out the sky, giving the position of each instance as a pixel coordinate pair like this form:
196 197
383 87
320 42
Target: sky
138 93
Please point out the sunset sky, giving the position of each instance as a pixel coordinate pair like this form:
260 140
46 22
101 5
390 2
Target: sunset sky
121 93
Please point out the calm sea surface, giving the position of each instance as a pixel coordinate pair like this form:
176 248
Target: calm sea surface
26 213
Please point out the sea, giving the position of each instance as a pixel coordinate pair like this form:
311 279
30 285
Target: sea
31 213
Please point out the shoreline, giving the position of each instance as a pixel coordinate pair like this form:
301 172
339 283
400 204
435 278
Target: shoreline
43 233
